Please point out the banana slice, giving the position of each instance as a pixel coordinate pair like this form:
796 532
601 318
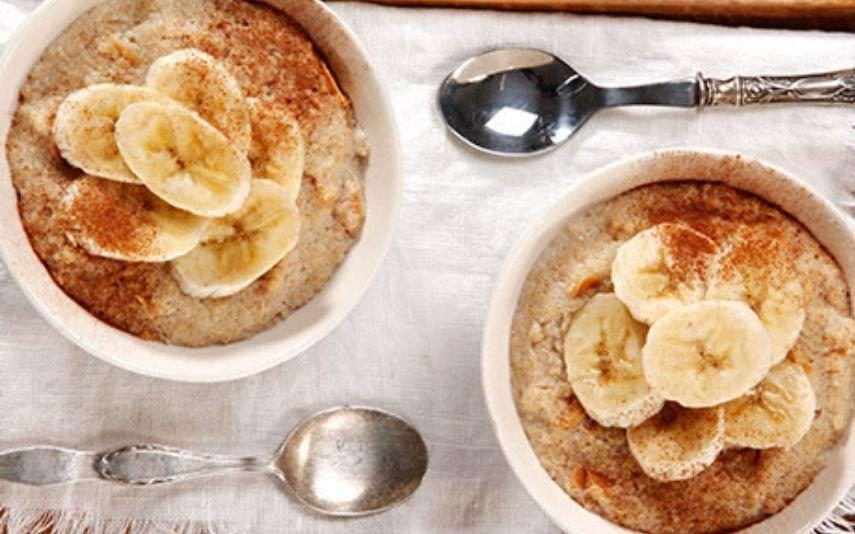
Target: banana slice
677 443
661 269
239 248
183 159
779 306
602 353
782 310
203 84
277 152
777 413
775 295
84 128
127 222
707 353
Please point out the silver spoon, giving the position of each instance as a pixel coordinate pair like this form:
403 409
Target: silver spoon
521 101
345 461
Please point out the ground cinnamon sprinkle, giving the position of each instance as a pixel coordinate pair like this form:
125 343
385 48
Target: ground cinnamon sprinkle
754 238
241 31
711 209
199 74
690 252
115 215
761 250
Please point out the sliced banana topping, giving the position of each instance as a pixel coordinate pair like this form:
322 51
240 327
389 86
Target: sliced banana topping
677 443
779 306
661 269
127 222
203 84
84 128
706 353
602 353
277 152
183 159
782 310
239 248
777 413
775 294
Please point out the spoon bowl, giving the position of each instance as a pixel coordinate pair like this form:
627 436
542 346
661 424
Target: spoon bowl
515 101
350 461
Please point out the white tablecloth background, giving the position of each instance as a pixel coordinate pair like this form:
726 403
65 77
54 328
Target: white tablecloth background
412 344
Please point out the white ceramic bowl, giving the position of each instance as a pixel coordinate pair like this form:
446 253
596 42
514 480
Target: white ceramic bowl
831 227
350 64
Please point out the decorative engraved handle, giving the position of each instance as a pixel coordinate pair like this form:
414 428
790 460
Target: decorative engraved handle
154 464
46 465
826 88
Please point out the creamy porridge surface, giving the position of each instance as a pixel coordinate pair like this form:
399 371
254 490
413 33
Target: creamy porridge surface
276 64
593 463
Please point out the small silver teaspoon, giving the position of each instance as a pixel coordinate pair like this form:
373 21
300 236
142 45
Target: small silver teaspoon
345 461
522 101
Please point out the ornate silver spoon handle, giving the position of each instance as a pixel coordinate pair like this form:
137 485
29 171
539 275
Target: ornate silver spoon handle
825 88
43 466
135 464
154 464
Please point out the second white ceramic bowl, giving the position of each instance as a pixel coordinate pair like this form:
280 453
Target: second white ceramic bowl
831 227
350 64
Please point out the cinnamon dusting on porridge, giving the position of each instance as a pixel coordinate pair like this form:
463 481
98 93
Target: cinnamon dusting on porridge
711 460
130 245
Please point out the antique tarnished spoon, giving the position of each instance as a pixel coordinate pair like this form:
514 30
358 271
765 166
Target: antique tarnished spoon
345 461
522 101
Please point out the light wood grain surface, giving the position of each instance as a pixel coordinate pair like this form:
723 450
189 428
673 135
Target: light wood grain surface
800 14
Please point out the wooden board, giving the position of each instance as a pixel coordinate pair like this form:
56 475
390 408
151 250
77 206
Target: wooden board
800 14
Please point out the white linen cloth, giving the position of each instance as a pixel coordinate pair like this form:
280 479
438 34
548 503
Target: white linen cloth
412 344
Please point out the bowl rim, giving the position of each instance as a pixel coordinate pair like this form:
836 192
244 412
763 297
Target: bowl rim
350 64
564 511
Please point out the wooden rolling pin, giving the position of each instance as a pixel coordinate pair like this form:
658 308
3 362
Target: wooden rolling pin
799 14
